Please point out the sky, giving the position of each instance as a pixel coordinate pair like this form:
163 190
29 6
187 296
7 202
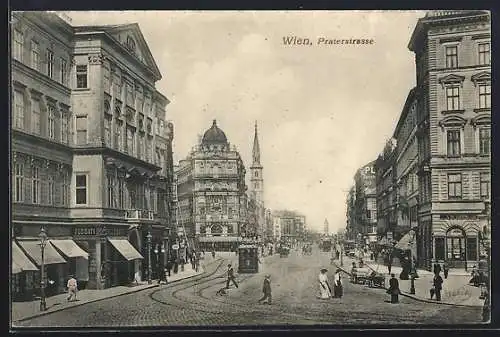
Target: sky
323 111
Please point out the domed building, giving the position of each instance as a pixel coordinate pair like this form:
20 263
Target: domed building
212 193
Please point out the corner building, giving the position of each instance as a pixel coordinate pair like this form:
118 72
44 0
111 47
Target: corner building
92 151
211 192
452 54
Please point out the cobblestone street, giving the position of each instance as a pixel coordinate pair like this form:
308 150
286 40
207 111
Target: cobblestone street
294 285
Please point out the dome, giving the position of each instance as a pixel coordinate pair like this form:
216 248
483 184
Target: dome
214 135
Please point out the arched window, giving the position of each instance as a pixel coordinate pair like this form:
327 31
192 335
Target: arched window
216 230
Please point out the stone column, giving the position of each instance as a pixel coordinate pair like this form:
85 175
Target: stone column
98 264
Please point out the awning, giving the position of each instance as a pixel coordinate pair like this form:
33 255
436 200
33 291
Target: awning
126 249
406 241
51 256
218 239
20 262
69 248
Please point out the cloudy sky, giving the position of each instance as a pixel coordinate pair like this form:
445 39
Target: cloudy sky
322 111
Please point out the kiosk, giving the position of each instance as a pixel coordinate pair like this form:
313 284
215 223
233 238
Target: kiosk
248 259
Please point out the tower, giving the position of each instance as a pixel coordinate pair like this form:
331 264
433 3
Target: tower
256 179
326 228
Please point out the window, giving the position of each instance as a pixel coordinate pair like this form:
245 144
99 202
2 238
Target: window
81 130
143 147
452 98
485 185
19 182
64 71
106 83
118 136
452 57
51 122
81 76
453 140
130 95
484 96
35 116
107 131
50 63
121 193
19 109
454 186
111 190
64 188
18 45
471 249
50 190
484 141
35 191
35 55
81 189
484 53
130 141
64 128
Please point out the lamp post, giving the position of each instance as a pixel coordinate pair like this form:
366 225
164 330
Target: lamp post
148 237
43 242
159 249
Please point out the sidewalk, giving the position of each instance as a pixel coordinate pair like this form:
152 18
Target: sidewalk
456 290
26 310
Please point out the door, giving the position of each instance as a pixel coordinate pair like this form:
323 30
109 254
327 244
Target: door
455 248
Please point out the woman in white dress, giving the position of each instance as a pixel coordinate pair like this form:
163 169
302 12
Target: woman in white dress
324 287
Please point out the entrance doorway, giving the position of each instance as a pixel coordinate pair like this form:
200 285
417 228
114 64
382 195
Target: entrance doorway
456 248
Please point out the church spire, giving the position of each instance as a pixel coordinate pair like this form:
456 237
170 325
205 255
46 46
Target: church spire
256 148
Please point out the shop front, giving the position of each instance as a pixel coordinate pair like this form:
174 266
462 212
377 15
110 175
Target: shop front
23 275
56 267
77 259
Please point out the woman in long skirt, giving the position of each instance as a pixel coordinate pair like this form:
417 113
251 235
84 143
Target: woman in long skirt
337 285
324 286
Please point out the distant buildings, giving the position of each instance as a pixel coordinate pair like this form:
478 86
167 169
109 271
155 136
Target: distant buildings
290 226
212 200
91 153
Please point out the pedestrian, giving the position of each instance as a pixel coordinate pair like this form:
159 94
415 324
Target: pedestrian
389 263
337 285
324 286
72 288
169 266
445 270
266 289
438 285
213 253
437 268
230 276
394 289
166 274
137 277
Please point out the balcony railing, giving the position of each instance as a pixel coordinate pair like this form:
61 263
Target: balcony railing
139 214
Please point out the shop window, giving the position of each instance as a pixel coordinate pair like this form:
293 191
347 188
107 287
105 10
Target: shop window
471 249
439 248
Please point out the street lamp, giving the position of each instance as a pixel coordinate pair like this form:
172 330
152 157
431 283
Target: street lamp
148 237
43 243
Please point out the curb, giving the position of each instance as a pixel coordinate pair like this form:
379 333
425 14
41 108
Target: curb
101 299
419 298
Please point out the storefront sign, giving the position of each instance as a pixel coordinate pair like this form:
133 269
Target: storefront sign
99 230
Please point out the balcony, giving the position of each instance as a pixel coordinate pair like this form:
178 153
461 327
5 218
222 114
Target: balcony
139 214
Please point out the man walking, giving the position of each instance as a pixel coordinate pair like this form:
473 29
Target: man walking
438 285
72 288
230 276
394 289
266 289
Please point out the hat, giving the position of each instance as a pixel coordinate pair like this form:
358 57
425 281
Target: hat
338 270
324 270
229 265
267 276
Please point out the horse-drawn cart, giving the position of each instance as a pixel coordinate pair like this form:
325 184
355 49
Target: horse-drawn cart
367 276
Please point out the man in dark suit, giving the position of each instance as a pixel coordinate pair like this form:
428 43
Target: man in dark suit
266 289
394 289
438 285
230 276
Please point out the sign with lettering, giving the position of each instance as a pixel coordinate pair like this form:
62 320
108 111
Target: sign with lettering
99 230
85 231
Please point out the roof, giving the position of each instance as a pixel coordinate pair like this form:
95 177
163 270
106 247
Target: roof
134 28
214 135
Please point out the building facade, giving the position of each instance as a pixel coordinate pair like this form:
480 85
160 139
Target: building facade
453 54
366 203
290 226
212 193
91 151
351 231
387 193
